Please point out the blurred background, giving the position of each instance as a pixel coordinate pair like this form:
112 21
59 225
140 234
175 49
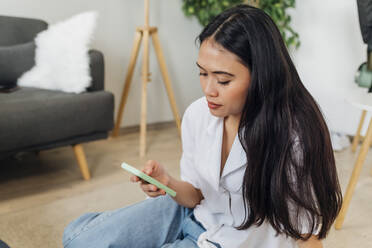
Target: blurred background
330 52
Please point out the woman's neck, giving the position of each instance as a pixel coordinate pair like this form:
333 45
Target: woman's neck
231 123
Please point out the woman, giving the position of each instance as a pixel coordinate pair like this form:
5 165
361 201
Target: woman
257 166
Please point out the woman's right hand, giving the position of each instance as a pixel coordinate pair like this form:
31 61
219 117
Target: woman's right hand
155 170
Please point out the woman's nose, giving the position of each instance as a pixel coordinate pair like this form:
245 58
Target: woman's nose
210 88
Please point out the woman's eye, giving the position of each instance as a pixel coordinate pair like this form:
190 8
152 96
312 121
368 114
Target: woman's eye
205 74
224 83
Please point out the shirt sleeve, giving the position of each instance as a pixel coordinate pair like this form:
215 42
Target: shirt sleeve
187 163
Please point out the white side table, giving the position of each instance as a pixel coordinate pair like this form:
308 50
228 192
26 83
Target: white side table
363 101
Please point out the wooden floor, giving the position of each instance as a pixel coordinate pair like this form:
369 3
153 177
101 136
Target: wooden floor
41 193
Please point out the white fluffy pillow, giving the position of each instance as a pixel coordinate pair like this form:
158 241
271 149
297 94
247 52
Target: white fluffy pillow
61 56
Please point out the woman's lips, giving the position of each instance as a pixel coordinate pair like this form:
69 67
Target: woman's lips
212 105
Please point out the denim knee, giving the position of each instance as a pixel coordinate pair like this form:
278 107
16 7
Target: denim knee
91 225
74 228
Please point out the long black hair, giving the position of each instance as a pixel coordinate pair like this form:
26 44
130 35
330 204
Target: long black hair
290 179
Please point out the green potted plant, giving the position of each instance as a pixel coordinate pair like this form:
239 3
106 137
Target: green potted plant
205 10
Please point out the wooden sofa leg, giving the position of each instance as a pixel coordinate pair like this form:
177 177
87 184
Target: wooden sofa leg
82 162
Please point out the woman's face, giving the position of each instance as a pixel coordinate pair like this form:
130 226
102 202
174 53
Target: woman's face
223 78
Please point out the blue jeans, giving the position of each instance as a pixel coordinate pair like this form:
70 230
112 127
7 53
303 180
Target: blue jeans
156 222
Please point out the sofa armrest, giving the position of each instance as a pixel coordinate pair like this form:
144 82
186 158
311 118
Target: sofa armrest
97 70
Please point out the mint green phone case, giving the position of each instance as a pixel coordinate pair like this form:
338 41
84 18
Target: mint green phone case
147 178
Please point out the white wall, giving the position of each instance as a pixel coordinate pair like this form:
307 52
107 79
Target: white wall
329 55
331 51
114 36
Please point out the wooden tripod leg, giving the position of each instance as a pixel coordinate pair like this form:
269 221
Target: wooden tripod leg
167 82
82 162
354 176
145 79
128 80
357 135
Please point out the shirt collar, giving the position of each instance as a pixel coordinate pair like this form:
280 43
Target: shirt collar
236 158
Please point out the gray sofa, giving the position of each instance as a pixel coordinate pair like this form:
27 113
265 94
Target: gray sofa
34 119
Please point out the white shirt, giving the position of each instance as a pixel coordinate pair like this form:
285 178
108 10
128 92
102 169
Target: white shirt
222 207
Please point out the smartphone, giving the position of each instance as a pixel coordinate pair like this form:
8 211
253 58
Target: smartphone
148 179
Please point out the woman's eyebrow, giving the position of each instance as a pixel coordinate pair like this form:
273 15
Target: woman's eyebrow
217 72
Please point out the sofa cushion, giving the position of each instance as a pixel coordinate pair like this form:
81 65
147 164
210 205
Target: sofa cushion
19 30
14 61
32 117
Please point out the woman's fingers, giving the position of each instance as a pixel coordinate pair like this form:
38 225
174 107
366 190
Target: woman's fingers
162 191
134 179
149 167
148 187
152 190
155 194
